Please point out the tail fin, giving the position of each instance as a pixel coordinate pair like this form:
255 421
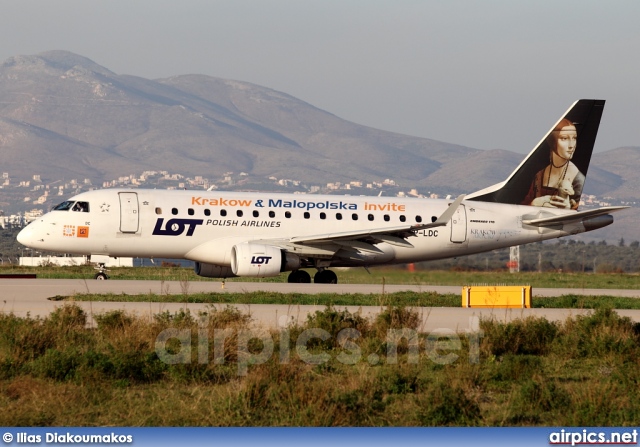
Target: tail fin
553 173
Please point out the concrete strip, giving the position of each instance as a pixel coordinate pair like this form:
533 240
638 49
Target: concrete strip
28 296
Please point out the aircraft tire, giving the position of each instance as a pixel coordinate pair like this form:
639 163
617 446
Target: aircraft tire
101 276
325 277
299 277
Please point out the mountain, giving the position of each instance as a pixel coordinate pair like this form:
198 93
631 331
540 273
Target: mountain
74 117
63 116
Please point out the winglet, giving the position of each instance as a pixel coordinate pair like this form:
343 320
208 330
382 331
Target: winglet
444 218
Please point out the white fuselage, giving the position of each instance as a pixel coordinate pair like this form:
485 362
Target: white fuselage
204 226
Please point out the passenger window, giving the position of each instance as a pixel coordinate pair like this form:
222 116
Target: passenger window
158 210
402 218
418 219
287 214
239 213
354 216
307 215
191 212
387 218
338 216
223 213
207 212
256 214
323 216
272 214
370 217
174 211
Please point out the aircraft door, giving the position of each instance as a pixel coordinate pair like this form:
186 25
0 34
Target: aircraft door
129 215
459 225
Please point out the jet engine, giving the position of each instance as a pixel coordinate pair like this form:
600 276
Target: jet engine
259 261
213 270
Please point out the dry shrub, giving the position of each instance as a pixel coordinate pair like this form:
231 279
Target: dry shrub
530 335
600 334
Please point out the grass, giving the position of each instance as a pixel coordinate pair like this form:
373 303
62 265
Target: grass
380 276
411 299
56 371
427 299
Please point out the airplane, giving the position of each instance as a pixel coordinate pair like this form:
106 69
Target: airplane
262 234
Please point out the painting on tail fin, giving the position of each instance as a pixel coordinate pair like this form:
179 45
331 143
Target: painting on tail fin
553 174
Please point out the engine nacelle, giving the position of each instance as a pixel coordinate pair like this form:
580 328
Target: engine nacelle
260 261
213 270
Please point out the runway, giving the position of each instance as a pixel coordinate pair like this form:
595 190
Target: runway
30 296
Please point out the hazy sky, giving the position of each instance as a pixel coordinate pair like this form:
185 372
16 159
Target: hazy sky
485 74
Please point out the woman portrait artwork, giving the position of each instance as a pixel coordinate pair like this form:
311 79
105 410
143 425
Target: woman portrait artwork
560 184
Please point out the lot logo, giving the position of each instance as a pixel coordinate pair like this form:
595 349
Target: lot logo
175 227
259 260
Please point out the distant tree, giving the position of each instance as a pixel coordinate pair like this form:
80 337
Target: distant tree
547 266
621 243
573 266
634 244
602 242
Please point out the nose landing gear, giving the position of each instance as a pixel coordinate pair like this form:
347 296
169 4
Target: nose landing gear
101 273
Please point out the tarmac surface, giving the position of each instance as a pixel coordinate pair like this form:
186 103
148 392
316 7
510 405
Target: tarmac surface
24 297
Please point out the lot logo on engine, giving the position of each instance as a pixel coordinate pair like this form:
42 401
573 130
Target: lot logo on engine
175 227
260 259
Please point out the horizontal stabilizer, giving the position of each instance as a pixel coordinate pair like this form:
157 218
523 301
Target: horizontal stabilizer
571 217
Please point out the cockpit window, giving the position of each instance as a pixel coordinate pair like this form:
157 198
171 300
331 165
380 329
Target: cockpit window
83 207
64 206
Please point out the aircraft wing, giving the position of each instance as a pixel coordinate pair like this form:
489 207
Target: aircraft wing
364 239
578 216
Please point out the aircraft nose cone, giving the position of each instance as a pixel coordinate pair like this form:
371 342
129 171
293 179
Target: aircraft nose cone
25 237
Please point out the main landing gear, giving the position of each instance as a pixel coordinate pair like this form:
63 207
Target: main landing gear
299 277
325 277
322 277
101 272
